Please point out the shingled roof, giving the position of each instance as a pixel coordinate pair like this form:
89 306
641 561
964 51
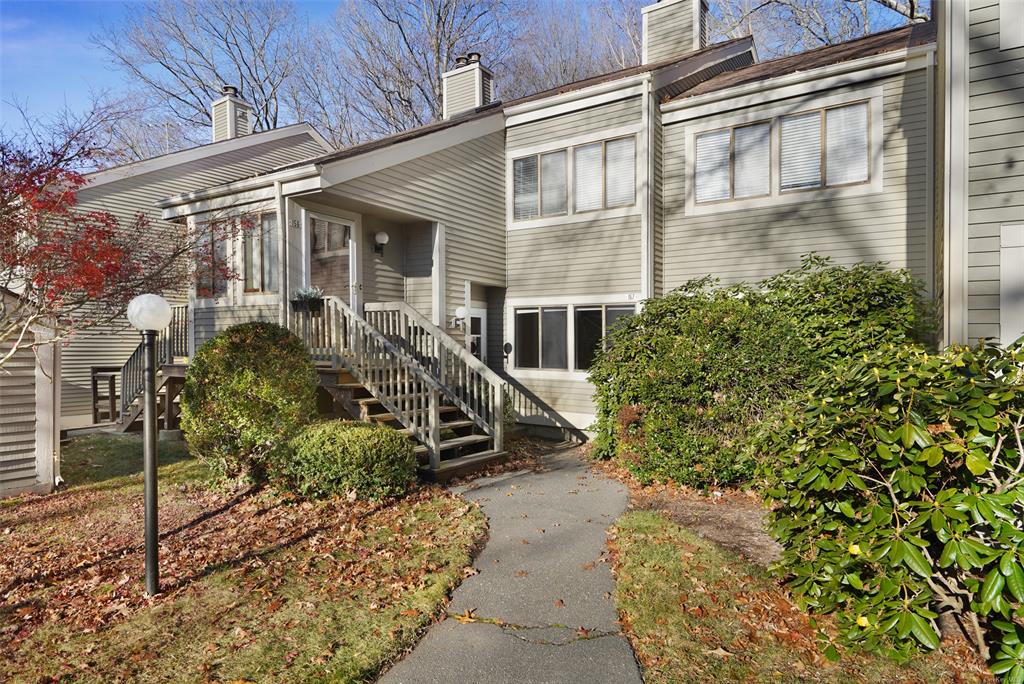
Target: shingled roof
887 41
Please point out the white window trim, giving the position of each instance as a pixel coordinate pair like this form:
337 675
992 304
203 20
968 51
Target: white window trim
569 304
875 184
1011 24
259 296
237 258
568 144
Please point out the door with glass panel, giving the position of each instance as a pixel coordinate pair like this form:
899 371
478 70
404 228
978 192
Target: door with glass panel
329 266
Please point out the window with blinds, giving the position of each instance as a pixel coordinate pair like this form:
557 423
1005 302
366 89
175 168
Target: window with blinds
800 143
733 163
620 172
846 144
603 177
525 188
587 177
553 188
843 157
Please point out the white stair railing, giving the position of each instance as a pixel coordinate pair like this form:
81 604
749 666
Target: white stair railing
466 380
340 336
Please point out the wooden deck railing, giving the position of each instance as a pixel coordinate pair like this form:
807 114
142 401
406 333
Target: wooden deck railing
170 342
404 388
467 381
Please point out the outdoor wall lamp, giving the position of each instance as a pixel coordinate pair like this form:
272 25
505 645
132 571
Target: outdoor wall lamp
460 317
380 239
149 314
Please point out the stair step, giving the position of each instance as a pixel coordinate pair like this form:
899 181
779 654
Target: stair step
454 442
453 425
387 417
463 465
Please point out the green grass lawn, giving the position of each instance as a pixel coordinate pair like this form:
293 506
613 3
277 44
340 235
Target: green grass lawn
255 586
698 614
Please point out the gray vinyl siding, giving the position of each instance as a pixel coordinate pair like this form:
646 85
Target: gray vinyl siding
220 121
548 131
670 31
594 257
751 244
995 163
212 320
135 194
462 187
461 91
18 421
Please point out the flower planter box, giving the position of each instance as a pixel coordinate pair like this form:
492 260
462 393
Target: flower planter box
314 306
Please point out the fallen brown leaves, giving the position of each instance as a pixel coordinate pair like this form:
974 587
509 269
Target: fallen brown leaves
76 559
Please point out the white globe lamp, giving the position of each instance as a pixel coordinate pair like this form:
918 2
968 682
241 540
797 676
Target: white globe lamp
149 312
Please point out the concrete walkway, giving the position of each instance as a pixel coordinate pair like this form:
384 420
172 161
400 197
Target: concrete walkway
541 604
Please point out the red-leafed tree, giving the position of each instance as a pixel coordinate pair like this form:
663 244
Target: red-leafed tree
68 269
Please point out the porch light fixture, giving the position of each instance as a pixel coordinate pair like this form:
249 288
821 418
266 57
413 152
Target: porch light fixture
380 239
149 314
460 317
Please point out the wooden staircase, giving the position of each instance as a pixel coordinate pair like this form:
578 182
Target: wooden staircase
448 401
463 446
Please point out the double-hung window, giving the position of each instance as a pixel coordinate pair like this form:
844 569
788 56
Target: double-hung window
591 327
211 261
734 163
259 254
541 185
603 176
541 337
820 148
824 148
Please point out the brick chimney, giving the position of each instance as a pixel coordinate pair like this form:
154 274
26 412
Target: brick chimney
468 86
232 116
672 28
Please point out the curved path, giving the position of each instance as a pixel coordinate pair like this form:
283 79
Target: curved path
540 609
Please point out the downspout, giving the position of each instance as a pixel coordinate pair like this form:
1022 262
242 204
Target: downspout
647 204
282 259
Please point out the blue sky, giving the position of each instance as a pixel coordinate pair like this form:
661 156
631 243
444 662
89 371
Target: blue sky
46 59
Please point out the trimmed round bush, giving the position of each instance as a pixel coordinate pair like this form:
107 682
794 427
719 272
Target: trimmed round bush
898 492
338 458
684 382
247 392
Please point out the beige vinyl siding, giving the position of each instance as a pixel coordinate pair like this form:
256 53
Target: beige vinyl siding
220 121
670 31
213 320
462 187
17 420
134 194
243 122
419 260
545 400
383 279
751 244
593 257
461 91
548 131
995 163
658 218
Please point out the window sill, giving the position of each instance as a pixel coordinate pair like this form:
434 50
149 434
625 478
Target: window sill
787 197
585 217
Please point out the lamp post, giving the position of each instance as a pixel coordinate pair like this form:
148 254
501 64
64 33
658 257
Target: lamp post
150 313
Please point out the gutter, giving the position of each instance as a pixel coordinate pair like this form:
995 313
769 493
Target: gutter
255 183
